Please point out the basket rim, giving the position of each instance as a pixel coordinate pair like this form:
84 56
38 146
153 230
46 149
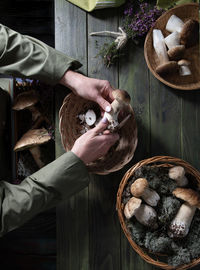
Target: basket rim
167 160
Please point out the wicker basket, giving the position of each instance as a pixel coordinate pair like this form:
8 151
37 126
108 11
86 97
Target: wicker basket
159 161
70 129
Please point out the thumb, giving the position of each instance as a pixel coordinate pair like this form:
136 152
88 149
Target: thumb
104 104
102 125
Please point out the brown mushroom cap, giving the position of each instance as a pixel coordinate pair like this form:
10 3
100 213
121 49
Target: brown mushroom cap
131 207
138 187
121 95
32 138
190 33
176 52
184 62
188 195
168 67
25 100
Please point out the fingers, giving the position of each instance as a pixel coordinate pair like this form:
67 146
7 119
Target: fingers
104 104
110 139
101 126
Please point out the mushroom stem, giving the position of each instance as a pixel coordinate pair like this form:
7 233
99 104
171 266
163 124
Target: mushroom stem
180 225
184 67
36 153
147 216
172 40
159 46
174 24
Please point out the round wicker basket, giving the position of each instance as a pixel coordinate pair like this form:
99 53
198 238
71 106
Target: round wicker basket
164 161
70 129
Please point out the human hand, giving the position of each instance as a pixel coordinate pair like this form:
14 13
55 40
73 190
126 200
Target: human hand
91 146
99 91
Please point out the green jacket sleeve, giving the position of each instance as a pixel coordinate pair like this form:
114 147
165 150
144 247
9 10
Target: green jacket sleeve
42 190
24 56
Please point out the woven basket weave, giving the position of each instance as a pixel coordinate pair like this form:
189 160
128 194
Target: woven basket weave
159 161
70 129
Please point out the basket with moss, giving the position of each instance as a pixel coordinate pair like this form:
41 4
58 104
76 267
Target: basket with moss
157 204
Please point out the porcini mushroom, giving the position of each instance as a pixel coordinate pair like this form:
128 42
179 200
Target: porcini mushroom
176 50
180 225
184 67
121 100
140 188
31 141
27 100
188 31
177 173
145 214
165 66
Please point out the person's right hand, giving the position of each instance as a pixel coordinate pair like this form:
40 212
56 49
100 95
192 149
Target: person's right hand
91 146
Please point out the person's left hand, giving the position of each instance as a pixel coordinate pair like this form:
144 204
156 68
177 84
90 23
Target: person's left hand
99 91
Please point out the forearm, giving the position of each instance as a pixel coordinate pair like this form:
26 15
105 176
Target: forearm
44 189
24 56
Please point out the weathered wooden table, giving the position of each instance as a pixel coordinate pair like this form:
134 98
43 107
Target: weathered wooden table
88 231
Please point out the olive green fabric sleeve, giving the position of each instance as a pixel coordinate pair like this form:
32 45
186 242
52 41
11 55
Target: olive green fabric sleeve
24 56
42 190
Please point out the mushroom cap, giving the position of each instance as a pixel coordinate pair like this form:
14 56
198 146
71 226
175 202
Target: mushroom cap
131 207
168 67
25 100
176 52
184 62
176 172
121 95
188 195
190 33
32 138
138 187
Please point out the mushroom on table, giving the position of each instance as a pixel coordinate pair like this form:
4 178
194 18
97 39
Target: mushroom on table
180 225
140 188
144 213
31 141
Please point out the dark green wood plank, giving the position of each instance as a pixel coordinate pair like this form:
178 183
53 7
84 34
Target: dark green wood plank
105 231
72 216
165 120
191 128
134 78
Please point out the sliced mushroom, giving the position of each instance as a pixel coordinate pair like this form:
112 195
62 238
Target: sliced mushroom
145 214
90 117
165 66
121 100
177 173
180 225
140 188
31 141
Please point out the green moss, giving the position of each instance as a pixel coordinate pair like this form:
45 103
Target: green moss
182 256
158 243
169 206
137 231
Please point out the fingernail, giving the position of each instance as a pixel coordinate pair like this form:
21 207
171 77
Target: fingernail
108 108
104 120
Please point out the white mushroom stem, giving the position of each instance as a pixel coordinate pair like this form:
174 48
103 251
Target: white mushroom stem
147 216
112 116
180 225
172 40
151 197
174 24
90 117
184 68
159 46
177 173
36 153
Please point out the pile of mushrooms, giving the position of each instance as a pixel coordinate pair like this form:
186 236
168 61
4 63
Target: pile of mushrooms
170 49
144 199
37 135
121 101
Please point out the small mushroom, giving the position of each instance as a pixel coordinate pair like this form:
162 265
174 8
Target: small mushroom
176 50
165 66
180 225
28 100
90 117
177 173
31 140
145 214
121 100
140 188
188 31
184 67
